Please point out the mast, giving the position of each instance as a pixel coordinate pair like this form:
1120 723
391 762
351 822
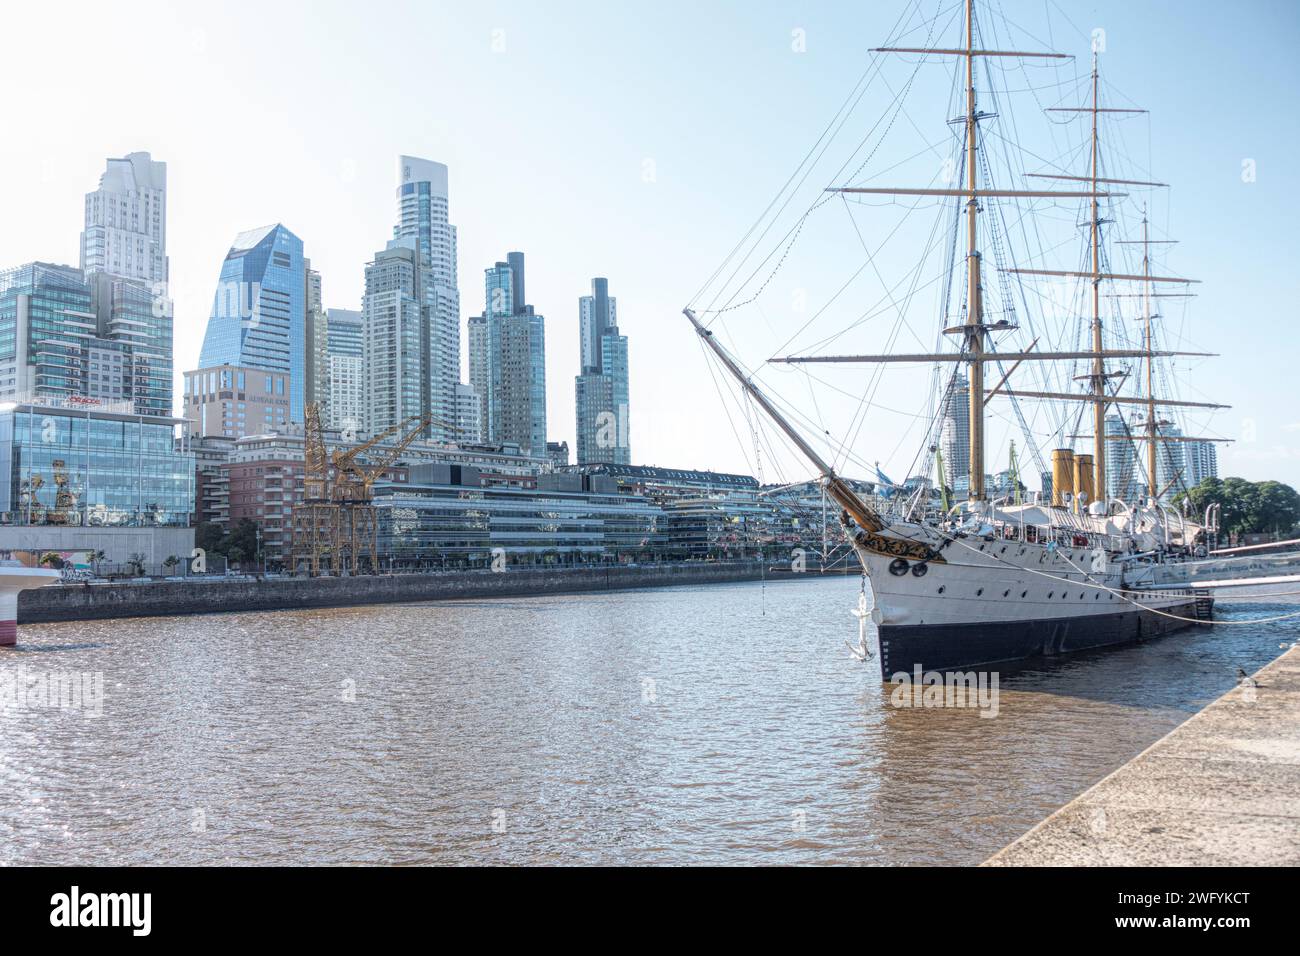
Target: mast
835 486
1151 395
1098 362
974 307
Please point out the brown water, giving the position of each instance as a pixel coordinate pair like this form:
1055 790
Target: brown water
721 724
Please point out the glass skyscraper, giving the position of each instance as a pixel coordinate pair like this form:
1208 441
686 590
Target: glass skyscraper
601 390
259 311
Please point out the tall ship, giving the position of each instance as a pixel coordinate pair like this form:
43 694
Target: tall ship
1053 333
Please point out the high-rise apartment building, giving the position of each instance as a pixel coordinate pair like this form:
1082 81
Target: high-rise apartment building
1125 479
125 232
125 266
258 315
345 346
1201 459
508 360
316 387
423 218
954 431
480 369
469 425
396 340
601 390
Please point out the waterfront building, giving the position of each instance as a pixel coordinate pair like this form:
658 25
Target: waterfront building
469 424
345 350
424 219
666 484
601 389
515 361
231 401
80 478
954 433
258 315
443 517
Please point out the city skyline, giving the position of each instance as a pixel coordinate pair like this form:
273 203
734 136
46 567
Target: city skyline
686 211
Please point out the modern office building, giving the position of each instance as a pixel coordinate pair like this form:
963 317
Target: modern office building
345 351
508 350
69 465
444 517
51 344
231 401
423 218
601 389
258 315
954 431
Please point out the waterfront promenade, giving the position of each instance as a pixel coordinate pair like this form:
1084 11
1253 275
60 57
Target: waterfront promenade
215 595
1219 790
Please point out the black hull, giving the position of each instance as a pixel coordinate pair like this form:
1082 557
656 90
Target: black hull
943 647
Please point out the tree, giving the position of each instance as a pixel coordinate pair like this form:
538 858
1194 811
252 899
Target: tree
171 562
95 558
242 538
51 560
208 536
1245 507
136 564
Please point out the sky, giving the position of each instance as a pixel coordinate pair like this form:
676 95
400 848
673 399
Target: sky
637 142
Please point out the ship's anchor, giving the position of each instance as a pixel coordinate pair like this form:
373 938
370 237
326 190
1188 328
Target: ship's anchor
861 653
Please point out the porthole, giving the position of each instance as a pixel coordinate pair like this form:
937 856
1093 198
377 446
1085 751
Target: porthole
979 592
1006 592
1024 594
1049 595
942 588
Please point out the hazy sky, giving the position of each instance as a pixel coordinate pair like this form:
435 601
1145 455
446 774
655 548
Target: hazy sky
635 141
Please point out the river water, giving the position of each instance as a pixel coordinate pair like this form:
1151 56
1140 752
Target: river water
715 724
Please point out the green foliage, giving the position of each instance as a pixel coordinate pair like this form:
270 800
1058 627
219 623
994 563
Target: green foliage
1246 507
237 545
51 560
208 536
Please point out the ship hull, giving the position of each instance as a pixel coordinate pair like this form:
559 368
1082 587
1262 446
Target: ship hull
990 602
967 646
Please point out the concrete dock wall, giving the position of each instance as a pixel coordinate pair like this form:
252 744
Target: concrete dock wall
216 595
1219 790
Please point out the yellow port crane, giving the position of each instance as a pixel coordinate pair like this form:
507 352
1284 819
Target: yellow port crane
336 522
